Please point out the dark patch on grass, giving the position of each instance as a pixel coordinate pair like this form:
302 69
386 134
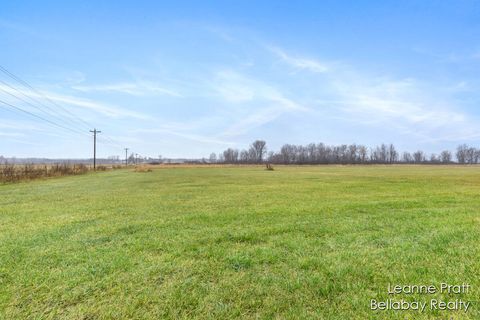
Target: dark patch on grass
129 230
249 238
239 263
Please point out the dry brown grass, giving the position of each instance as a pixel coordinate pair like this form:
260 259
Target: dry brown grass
143 168
14 173
201 165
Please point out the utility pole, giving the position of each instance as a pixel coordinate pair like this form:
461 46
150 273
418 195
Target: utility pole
126 156
95 131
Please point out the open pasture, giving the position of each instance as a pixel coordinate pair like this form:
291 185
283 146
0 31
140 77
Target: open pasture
311 242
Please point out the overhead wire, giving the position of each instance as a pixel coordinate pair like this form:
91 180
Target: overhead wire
70 118
18 109
30 87
38 108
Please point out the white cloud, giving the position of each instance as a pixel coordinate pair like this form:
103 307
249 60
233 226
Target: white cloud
232 87
98 107
137 89
261 103
11 134
408 103
300 63
167 129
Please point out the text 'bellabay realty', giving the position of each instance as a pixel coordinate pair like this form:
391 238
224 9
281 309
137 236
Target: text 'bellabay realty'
434 304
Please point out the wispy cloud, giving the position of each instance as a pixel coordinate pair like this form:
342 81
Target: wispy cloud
412 106
300 62
132 88
62 99
405 103
264 102
167 129
11 134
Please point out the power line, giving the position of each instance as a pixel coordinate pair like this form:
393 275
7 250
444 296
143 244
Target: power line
36 107
37 116
29 86
34 100
57 116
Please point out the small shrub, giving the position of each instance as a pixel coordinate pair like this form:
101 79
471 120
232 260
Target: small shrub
142 169
80 168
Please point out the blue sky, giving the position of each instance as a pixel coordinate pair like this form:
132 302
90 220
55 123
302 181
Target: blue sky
183 79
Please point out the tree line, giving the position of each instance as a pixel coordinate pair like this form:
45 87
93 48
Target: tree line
320 153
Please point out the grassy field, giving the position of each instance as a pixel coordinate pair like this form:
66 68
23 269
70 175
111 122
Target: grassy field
238 242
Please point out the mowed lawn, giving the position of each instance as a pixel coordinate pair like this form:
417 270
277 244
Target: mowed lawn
313 242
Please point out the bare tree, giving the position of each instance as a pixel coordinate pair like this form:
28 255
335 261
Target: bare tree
213 158
419 156
259 148
446 156
462 153
230 155
342 154
362 154
244 156
434 158
392 154
407 157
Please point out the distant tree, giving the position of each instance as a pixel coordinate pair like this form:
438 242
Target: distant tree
392 154
446 156
419 156
340 154
213 157
244 156
288 153
230 155
258 150
351 156
461 153
362 154
312 153
407 157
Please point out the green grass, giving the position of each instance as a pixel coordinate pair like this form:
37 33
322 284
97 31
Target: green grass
237 242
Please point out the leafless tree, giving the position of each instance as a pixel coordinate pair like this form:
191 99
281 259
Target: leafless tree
259 149
362 154
343 154
419 156
446 156
407 157
462 153
434 158
392 154
230 155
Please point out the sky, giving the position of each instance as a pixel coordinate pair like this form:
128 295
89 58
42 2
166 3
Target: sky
187 78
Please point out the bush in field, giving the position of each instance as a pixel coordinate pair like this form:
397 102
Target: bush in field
8 172
13 173
142 169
